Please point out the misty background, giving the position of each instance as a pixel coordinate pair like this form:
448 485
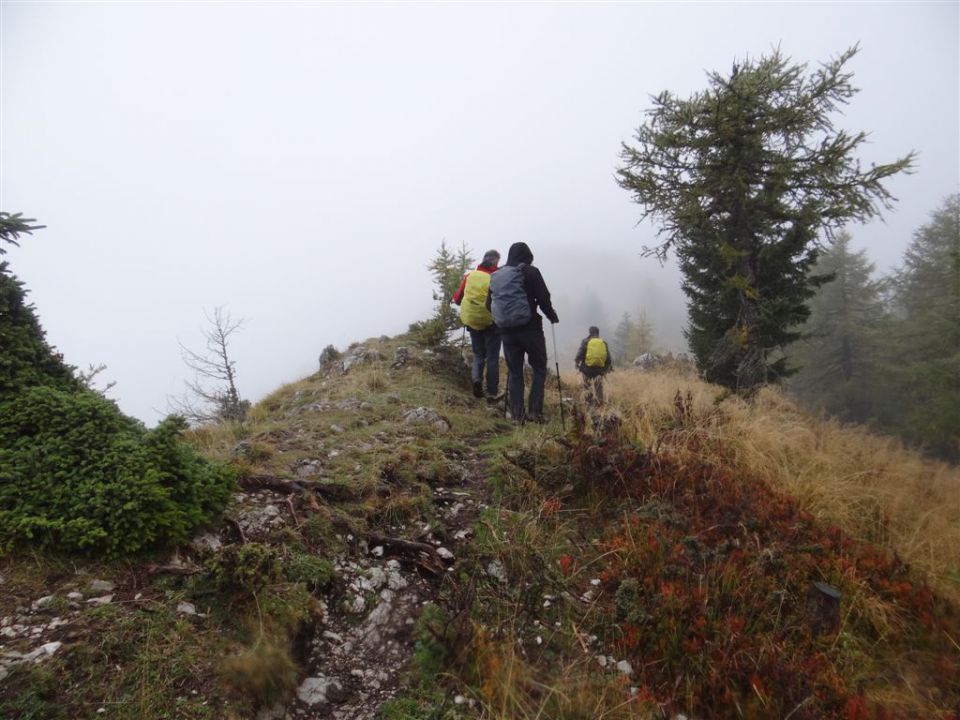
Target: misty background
300 163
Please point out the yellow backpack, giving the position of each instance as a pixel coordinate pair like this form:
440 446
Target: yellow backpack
473 306
596 353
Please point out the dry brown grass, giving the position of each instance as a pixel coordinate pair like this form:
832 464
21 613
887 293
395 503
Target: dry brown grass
869 485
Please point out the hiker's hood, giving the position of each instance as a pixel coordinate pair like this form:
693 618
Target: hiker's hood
519 253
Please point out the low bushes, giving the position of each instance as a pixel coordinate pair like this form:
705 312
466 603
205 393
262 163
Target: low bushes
76 475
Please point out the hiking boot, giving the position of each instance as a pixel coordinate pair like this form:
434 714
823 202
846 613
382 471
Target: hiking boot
477 389
538 419
494 398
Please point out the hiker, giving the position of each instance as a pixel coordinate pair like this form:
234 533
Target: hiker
517 290
593 360
471 296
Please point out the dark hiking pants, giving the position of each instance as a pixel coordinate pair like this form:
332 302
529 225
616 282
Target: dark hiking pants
532 344
486 354
592 386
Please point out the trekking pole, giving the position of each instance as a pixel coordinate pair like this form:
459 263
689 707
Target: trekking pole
556 360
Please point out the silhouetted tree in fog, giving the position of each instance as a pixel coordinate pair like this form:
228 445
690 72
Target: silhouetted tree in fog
212 396
840 355
926 367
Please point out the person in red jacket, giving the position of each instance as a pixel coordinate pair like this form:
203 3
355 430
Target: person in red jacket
471 296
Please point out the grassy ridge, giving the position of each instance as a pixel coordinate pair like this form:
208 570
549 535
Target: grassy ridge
653 560
659 560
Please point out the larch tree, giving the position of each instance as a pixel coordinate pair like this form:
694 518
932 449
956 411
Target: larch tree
747 178
447 268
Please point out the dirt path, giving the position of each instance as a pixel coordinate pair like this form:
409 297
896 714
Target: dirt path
359 657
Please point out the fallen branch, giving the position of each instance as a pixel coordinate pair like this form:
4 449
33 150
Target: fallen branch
173 569
330 491
433 562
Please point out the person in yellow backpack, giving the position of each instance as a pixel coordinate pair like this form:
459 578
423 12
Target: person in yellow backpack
471 296
593 360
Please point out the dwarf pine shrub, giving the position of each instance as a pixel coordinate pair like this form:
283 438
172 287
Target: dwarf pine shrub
77 475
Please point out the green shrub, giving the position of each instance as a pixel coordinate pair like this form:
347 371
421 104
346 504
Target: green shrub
77 475
314 572
431 333
246 568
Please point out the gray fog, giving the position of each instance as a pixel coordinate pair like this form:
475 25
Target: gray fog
300 163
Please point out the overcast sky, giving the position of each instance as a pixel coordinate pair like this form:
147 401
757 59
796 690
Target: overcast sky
299 163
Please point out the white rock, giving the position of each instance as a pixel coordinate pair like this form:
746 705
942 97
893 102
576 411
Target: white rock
602 660
42 652
379 617
42 602
317 690
105 600
355 604
396 581
459 700
497 571
625 667
445 554
12 631
207 542
375 579
104 586
186 608
595 582
377 551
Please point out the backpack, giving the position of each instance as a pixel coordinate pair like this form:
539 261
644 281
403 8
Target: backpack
508 299
596 353
473 306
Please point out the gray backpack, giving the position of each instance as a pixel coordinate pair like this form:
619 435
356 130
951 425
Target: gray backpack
508 299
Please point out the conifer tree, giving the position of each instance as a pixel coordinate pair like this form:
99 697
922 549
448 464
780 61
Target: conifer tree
26 359
926 366
621 345
745 176
77 474
447 269
644 339
840 354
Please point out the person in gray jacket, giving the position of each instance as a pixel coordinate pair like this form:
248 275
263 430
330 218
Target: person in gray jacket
517 291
